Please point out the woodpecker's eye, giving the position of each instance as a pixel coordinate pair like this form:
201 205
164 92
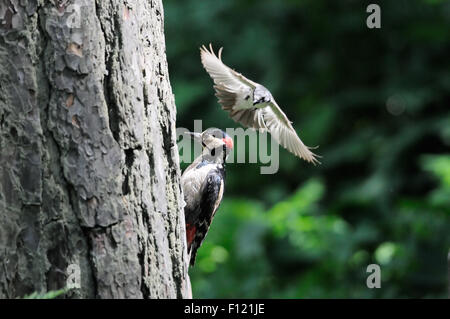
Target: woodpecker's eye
213 152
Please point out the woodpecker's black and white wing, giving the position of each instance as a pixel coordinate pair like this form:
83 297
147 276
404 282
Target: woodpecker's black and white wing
235 94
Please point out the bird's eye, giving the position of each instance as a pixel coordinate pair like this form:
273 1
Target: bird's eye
213 152
247 97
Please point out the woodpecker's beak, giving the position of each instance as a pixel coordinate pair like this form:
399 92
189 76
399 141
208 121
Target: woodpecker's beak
228 142
195 136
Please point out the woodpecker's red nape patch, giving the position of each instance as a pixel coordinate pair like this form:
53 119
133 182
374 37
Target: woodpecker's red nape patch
228 142
190 234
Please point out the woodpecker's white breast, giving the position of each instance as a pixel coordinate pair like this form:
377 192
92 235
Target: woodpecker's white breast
192 181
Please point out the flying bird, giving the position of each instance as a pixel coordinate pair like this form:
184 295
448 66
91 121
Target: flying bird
252 105
203 184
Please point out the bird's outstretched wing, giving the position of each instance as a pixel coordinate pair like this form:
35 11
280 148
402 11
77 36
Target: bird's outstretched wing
282 131
273 119
229 86
221 74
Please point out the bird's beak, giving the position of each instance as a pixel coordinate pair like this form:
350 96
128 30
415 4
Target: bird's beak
195 136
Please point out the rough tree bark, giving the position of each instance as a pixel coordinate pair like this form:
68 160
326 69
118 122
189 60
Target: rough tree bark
89 168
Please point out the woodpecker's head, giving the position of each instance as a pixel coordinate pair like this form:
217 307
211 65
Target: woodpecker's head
216 144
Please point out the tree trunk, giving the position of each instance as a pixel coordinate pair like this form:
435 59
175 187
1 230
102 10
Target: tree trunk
89 168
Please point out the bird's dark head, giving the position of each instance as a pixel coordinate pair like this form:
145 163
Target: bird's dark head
216 143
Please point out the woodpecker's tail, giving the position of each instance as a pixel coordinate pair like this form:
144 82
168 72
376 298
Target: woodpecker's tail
192 259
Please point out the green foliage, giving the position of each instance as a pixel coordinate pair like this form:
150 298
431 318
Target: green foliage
47 295
377 103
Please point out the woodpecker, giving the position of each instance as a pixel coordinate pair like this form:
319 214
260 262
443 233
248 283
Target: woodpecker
252 105
203 185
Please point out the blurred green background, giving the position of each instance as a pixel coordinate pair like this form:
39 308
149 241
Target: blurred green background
377 103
